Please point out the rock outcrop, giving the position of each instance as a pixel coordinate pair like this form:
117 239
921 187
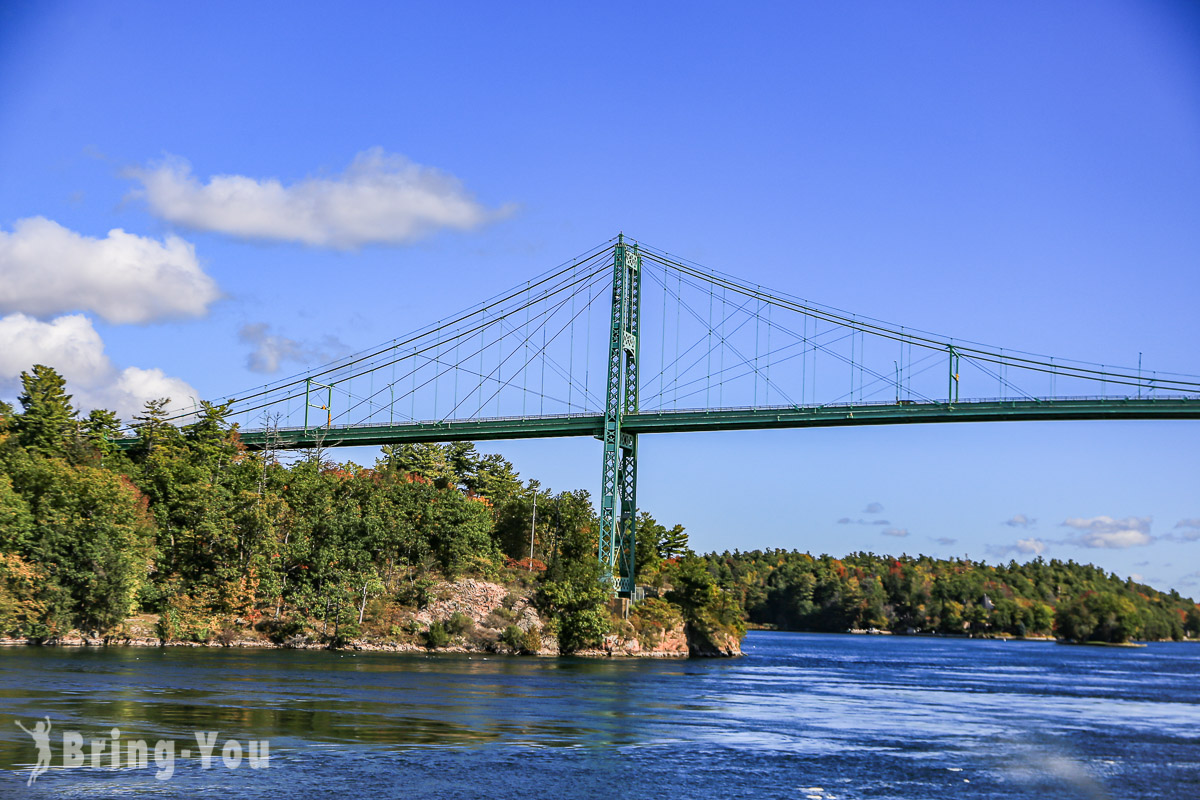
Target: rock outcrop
480 614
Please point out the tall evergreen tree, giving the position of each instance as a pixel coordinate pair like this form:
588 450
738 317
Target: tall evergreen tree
674 543
48 424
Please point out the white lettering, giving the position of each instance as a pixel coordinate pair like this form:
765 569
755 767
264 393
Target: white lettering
72 749
98 746
207 741
115 733
260 754
231 754
164 759
137 755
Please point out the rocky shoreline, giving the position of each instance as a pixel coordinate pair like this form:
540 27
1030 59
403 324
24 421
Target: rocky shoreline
617 648
483 607
613 647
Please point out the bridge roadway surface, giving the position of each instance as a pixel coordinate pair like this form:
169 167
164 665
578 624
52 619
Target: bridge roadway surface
725 419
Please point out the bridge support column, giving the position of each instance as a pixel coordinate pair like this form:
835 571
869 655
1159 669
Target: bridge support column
618 485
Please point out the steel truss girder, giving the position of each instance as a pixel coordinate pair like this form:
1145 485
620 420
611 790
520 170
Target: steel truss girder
719 419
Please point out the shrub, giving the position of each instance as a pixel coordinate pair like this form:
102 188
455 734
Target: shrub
459 623
651 618
524 642
483 638
437 636
348 631
186 618
419 593
500 618
228 635
282 630
532 642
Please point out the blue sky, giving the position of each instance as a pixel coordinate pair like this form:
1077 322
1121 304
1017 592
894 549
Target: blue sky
1013 173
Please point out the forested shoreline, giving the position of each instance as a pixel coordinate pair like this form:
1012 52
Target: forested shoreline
212 542
920 594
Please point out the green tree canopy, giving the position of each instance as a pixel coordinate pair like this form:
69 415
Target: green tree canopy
47 424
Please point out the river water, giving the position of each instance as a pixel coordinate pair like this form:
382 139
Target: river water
800 716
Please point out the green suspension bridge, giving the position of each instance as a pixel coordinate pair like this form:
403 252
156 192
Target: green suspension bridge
626 340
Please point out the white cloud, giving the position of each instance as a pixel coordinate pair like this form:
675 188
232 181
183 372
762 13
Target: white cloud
1106 532
134 386
271 350
848 521
1189 531
1021 521
71 345
873 508
46 269
898 532
945 541
1030 546
379 199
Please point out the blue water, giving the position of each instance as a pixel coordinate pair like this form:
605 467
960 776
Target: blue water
800 716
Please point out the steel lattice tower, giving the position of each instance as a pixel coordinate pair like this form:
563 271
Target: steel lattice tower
618 485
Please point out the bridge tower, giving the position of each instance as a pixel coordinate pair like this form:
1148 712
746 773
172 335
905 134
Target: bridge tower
618 500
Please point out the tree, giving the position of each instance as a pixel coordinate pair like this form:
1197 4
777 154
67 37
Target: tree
570 590
429 462
92 536
48 425
648 544
100 428
1191 622
1098 616
152 425
16 523
674 543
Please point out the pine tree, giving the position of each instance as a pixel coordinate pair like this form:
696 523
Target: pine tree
48 425
101 427
674 543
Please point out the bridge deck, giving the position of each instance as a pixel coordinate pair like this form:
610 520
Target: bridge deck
726 419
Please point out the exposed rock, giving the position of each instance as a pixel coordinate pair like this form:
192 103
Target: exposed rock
659 633
708 643
468 596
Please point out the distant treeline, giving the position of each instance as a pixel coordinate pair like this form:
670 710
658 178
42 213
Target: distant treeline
798 591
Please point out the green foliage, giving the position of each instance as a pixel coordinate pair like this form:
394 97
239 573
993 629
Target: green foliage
1191 622
524 642
1098 617
674 543
214 539
797 591
710 612
648 546
570 590
22 606
100 429
47 425
437 635
187 618
91 535
652 618
458 624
